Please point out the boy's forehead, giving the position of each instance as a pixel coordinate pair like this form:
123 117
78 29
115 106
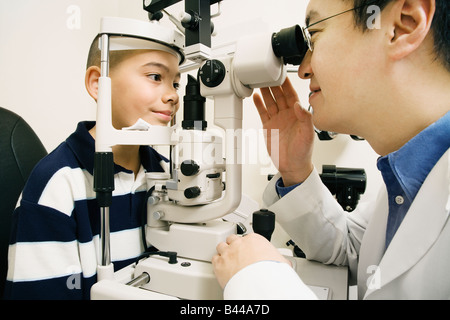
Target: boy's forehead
146 59
118 43
159 59
163 66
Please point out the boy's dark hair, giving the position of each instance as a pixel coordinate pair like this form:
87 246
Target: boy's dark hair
115 57
440 25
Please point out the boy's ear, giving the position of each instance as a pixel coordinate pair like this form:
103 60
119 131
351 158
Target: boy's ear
91 81
411 22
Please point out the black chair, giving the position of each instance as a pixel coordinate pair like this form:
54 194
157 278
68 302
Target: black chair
20 150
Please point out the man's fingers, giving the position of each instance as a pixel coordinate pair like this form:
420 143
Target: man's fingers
221 247
232 237
269 101
280 98
290 94
263 114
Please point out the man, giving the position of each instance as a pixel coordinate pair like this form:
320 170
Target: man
391 85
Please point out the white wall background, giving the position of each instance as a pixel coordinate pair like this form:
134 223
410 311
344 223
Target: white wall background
43 51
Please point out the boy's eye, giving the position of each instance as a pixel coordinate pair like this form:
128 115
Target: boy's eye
176 85
155 77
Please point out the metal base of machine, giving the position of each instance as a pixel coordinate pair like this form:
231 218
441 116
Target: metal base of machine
186 279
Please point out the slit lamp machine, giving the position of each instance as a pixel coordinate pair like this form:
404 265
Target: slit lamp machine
186 203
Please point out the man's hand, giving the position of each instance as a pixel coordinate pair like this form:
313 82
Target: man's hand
238 252
290 127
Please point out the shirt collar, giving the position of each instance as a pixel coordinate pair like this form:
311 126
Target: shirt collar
412 163
83 146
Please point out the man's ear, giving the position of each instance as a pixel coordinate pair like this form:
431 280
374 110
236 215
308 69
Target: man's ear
91 81
411 22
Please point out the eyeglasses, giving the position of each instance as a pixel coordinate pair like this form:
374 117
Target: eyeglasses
307 35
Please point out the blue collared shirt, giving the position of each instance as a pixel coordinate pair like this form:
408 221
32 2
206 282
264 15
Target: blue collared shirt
405 170
282 190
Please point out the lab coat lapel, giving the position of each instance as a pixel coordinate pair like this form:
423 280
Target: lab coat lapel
421 226
372 246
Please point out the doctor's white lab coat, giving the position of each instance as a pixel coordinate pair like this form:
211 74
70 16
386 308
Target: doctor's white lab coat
416 265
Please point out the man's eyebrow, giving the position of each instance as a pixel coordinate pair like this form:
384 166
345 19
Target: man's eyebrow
312 15
162 66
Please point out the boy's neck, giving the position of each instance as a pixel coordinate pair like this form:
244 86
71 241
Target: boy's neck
124 156
127 157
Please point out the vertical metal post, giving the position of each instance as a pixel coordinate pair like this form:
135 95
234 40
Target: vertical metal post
104 173
104 56
105 237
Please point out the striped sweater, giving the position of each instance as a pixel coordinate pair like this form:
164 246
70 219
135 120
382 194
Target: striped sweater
54 249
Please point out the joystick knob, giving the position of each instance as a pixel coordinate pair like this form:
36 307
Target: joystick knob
264 223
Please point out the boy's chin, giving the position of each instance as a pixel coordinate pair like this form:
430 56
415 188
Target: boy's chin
142 124
157 123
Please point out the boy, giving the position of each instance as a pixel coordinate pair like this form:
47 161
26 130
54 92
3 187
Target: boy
54 244
390 85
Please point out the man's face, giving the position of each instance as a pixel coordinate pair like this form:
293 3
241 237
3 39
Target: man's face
343 68
144 85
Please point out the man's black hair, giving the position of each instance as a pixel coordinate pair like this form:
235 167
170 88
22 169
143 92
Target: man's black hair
440 26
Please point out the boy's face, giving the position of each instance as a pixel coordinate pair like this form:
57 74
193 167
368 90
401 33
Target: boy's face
144 85
344 65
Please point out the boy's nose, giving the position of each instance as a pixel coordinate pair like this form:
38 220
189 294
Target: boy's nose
171 97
